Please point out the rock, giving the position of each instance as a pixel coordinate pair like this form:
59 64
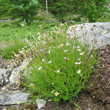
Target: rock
3 77
9 80
15 76
40 103
97 34
13 97
11 77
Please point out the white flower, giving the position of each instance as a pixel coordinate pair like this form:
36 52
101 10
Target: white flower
77 63
25 40
61 24
56 93
51 40
79 71
31 84
79 50
39 37
65 51
52 91
45 35
55 27
22 25
58 71
33 36
49 62
49 51
91 56
79 59
39 68
21 52
38 33
82 53
43 61
74 46
66 58
61 45
67 44
43 42
92 67
78 47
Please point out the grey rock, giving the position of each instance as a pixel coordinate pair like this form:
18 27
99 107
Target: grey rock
11 76
15 76
3 77
13 97
95 34
2 71
40 103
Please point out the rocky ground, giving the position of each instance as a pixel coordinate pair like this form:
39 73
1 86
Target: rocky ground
96 97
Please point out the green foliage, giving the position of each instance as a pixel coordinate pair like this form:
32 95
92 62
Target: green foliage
42 16
5 8
13 47
12 31
61 71
105 17
12 35
60 8
90 9
24 9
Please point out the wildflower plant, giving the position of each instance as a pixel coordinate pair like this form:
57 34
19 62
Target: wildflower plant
61 67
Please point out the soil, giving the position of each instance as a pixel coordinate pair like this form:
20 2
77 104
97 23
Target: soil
96 97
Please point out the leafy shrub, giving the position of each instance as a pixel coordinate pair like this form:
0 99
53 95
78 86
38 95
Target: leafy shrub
24 9
61 69
91 9
5 8
105 17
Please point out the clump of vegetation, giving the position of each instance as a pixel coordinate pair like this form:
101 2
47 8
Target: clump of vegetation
24 9
61 67
89 9
12 31
92 9
12 48
13 36
5 9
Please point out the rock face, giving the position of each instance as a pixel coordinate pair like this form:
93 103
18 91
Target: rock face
9 80
12 76
15 76
3 77
97 34
40 103
12 98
